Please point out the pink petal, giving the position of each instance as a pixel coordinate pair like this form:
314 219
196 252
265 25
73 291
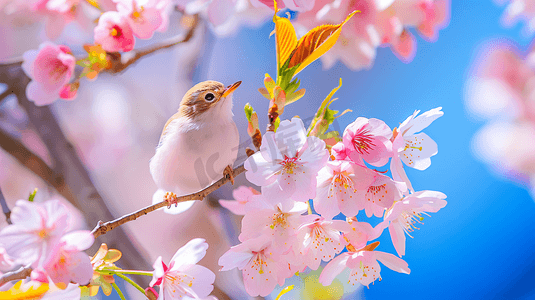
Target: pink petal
405 49
398 237
236 257
235 207
394 263
333 268
203 280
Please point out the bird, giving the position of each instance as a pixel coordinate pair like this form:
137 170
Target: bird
198 144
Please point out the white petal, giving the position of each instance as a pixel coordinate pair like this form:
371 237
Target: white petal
291 136
421 121
190 254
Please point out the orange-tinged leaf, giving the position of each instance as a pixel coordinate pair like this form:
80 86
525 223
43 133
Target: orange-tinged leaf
315 43
285 38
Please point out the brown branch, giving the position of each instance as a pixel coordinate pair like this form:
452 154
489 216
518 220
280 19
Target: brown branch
84 195
131 57
103 228
19 274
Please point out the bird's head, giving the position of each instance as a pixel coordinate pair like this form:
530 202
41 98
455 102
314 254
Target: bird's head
208 99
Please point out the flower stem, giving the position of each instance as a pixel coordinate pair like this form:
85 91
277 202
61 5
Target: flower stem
132 272
309 208
132 283
116 288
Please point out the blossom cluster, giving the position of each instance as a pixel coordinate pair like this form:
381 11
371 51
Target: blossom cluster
519 10
278 239
379 23
500 89
140 18
42 238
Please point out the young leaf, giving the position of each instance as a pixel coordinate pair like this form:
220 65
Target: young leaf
285 38
315 43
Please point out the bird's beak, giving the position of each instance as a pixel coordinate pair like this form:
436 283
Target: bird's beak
231 88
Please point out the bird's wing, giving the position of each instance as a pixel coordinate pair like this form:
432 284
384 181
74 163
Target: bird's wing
173 117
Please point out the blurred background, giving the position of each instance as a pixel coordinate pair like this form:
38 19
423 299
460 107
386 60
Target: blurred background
479 246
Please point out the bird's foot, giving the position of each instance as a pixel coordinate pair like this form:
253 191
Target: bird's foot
229 173
170 198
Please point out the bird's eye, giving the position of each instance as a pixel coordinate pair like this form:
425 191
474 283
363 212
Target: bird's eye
209 97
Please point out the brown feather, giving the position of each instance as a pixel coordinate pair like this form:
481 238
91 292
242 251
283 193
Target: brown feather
193 102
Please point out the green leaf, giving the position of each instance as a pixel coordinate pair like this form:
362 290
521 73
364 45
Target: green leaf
248 111
276 124
324 114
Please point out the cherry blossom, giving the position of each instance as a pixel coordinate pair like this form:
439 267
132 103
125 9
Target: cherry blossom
59 13
261 266
381 194
360 233
144 16
67 262
368 140
278 223
412 148
404 214
50 69
183 277
287 163
36 229
342 186
363 264
114 33
320 240
242 196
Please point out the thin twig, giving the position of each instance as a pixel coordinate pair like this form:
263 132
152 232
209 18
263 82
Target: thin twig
19 274
103 228
5 208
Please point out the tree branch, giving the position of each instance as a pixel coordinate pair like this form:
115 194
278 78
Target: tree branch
85 196
103 228
19 274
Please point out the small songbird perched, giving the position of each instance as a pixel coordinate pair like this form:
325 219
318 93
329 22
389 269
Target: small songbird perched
199 143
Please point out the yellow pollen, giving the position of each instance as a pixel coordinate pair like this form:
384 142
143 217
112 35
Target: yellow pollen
114 32
42 234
